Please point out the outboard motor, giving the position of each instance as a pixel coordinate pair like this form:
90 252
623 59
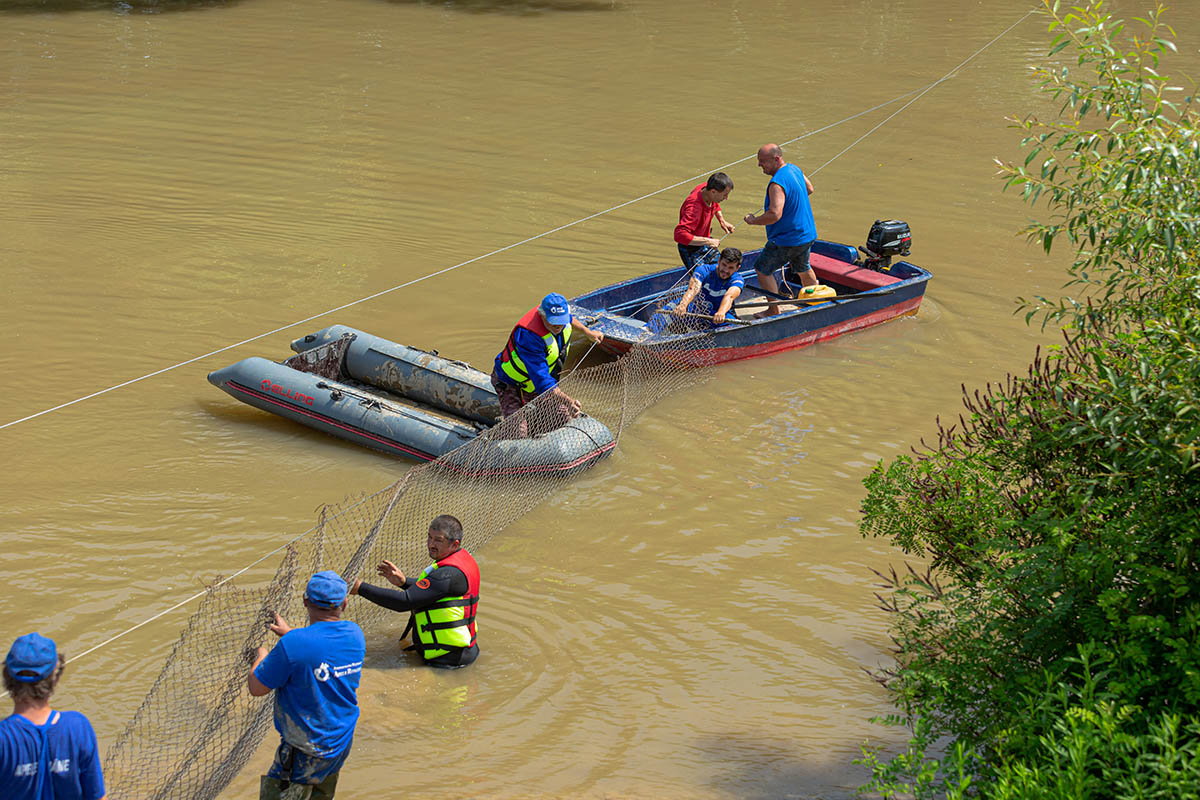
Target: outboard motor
888 237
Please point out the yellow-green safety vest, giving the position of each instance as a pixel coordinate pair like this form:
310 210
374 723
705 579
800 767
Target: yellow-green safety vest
449 622
512 364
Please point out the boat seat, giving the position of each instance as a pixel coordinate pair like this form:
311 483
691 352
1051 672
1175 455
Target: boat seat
861 279
748 313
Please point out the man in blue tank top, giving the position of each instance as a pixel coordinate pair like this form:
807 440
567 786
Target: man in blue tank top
44 753
788 217
314 672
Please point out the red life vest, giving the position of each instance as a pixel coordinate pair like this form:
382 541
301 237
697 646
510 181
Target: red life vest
556 347
432 619
466 562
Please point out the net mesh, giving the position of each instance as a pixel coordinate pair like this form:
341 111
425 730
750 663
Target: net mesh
198 726
665 317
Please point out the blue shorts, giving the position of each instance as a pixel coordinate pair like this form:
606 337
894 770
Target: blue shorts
693 255
303 769
773 257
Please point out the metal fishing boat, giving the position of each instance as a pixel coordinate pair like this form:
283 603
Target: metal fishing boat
406 402
870 290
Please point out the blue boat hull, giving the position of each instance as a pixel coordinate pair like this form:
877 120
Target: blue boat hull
623 311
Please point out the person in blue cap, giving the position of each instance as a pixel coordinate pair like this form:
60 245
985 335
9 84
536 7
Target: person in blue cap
314 672
44 753
531 360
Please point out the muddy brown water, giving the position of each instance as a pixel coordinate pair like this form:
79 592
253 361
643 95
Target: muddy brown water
692 617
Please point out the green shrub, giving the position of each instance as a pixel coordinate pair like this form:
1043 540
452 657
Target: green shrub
1119 168
1057 519
1092 745
1087 746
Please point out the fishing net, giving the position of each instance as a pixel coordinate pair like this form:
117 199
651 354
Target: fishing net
198 726
661 314
665 318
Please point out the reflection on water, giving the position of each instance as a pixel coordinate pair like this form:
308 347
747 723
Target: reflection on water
514 7
119 6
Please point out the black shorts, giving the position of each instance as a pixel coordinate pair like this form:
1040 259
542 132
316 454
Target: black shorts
455 659
773 257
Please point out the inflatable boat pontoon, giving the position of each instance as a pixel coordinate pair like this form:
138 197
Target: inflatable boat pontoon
404 401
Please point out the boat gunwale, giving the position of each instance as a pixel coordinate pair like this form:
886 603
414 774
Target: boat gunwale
920 276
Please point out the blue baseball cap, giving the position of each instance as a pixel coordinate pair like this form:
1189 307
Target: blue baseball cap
31 653
325 588
554 306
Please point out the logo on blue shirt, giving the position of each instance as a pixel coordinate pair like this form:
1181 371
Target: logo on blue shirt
324 672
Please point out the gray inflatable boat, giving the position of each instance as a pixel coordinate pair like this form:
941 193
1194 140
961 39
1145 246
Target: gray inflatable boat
404 401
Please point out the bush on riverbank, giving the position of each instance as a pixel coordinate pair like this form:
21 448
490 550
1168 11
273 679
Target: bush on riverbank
1051 647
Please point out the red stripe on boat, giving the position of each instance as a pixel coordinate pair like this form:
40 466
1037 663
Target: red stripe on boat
532 468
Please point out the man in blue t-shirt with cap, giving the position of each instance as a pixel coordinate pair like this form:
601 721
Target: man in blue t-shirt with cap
44 753
314 672
531 360
713 288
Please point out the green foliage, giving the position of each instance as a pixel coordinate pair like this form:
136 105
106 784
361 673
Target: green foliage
1073 743
1061 509
914 773
1119 167
1090 743
1089 754
1057 518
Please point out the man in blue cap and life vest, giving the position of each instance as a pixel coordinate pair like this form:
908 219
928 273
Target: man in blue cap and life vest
532 358
314 672
44 753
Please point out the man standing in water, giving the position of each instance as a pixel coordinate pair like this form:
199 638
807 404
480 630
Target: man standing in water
788 217
44 753
442 600
696 215
314 672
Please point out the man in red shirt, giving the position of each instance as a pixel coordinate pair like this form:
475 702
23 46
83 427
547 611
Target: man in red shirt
692 234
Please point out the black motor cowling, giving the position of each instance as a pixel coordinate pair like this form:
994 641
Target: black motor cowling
887 238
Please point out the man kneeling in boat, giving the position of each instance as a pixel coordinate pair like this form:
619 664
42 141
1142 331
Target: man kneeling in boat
714 286
530 362
442 599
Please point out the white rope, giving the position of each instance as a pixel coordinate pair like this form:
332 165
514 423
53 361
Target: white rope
182 603
926 90
919 92
435 274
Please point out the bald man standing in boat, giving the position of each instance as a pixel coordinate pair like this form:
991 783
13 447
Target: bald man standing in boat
788 217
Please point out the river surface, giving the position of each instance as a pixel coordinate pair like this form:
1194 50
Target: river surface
691 618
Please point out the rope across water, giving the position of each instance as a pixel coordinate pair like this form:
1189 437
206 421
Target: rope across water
920 92
414 281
